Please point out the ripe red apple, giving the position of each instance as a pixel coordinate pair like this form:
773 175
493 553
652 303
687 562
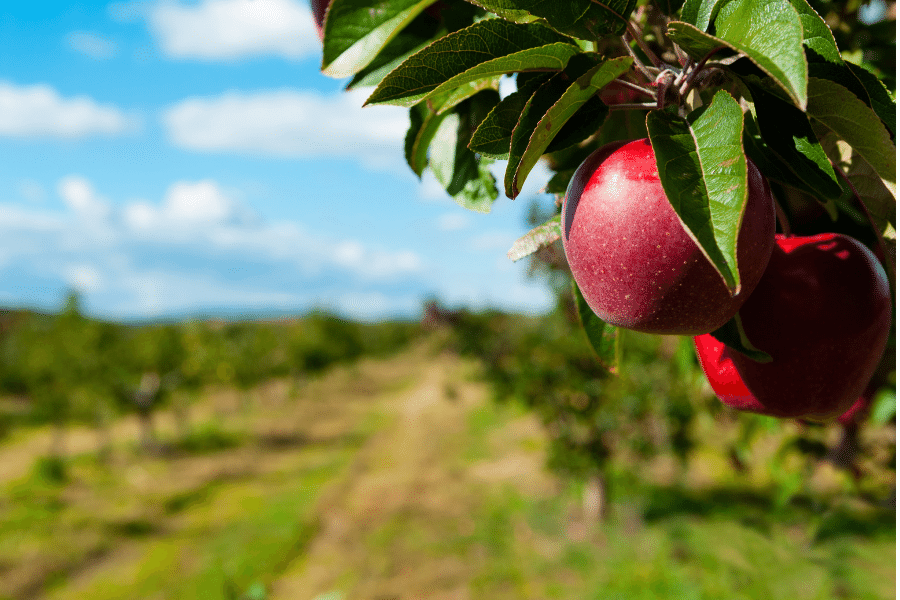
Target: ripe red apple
823 312
631 256
319 8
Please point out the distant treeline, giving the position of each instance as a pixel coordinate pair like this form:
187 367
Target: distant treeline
62 366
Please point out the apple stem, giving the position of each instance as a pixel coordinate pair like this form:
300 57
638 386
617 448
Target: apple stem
888 262
638 63
683 57
690 77
664 83
636 36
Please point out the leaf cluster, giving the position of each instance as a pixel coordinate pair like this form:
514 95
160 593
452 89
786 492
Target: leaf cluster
714 84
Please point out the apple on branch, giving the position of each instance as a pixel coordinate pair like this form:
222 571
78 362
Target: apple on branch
822 311
633 260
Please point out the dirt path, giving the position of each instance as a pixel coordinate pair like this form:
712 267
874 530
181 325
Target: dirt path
412 470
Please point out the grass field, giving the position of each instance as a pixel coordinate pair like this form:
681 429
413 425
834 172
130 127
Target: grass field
399 478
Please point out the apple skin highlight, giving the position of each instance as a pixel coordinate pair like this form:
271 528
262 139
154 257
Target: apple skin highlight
823 312
631 256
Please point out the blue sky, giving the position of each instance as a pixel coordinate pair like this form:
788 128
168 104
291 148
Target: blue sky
169 158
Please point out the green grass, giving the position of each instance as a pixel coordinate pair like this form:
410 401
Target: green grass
198 542
246 534
736 540
233 534
209 437
234 516
521 551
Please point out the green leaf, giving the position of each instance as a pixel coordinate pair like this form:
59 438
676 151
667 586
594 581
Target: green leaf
479 192
767 161
877 194
484 50
535 108
817 36
586 121
416 36
840 73
732 335
423 126
441 103
357 30
603 337
550 109
840 110
700 13
880 98
443 156
789 136
417 116
586 20
464 175
768 32
493 135
559 183
492 138
694 41
537 238
703 172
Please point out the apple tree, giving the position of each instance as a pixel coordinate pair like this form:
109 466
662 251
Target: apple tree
706 157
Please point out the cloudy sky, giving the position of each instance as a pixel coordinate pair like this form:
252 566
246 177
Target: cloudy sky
169 158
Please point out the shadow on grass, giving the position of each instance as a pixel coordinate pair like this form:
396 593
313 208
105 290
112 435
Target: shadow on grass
758 510
289 441
133 528
193 497
841 523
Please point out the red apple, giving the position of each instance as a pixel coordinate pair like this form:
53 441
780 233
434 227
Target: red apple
631 256
319 8
823 312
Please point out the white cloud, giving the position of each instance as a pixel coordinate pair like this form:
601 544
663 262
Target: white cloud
202 213
216 30
289 123
197 248
185 206
201 201
40 111
79 195
83 277
91 45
